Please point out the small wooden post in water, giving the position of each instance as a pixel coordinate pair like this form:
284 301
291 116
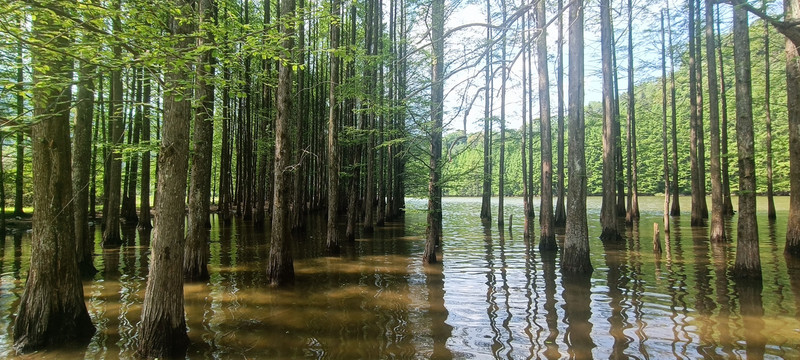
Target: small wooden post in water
656 240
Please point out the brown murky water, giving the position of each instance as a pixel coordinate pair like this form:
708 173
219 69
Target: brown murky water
494 297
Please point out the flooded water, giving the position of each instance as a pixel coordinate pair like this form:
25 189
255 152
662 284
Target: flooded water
495 296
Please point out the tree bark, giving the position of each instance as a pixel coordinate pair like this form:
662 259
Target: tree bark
51 311
547 240
608 216
20 161
162 331
664 125
197 252
502 166
84 237
717 221
748 262
576 239
280 270
434 230
793 106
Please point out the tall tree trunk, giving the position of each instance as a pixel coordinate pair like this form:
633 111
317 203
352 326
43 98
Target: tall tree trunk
748 263
51 311
434 230
676 204
576 239
701 146
768 121
697 193
370 73
527 206
664 124
332 239
717 222
111 210
84 237
20 161
280 270
197 252
793 106
486 200
502 167
226 153
144 200
128 211
633 173
560 211
162 330
100 119
727 203
355 153
547 240
608 215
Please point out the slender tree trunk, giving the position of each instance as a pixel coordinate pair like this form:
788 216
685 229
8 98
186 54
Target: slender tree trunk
676 204
100 119
717 221
111 210
793 106
355 162
434 230
486 201
547 240
197 252
20 161
664 124
502 167
608 215
84 237
701 146
560 212
280 270
162 330
526 188
748 262
144 201
226 153
576 239
768 121
332 240
727 203
51 311
696 215
129 200
633 173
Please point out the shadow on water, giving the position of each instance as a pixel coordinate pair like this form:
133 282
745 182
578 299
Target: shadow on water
494 296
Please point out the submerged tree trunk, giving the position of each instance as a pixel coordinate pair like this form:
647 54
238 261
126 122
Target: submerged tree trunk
633 174
608 216
675 210
727 202
162 331
111 209
768 122
697 214
84 237
51 311
793 106
486 200
332 242
576 240
280 270
434 230
560 219
547 240
748 263
502 166
717 222
144 200
197 252
664 124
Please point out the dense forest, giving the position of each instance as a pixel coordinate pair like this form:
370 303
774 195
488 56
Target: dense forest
115 111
